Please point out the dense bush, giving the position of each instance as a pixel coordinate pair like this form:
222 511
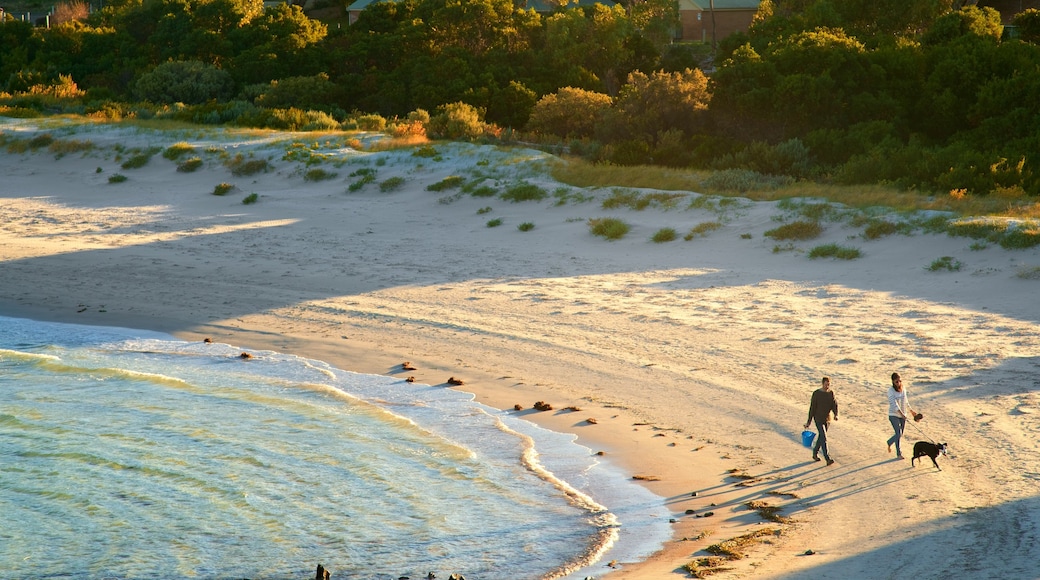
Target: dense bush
456 121
189 82
570 113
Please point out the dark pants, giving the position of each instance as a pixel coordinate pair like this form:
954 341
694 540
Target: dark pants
821 440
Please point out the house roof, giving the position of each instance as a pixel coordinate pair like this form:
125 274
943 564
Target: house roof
705 5
362 4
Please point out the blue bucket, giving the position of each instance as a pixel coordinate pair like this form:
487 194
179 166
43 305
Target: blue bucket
807 438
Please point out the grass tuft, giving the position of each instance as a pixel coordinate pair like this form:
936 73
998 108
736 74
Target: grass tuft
494 223
609 228
835 251
524 192
664 235
391 183
251 198
947 263
190 165
701 229
116 178
799 230
318 174
177 150
240 166
222 188
525 227
450 182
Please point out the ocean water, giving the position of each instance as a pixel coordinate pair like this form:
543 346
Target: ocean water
126 454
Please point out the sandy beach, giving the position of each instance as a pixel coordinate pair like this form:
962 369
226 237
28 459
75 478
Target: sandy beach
694 359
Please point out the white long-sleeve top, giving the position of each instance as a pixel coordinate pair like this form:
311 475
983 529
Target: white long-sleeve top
898 403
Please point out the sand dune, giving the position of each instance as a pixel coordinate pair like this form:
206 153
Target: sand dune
695 358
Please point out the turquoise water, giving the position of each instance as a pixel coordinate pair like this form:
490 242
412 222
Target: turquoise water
126 454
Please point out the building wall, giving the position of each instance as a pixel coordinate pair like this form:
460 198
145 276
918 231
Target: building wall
726 22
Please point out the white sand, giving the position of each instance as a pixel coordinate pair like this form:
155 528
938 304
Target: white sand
696 358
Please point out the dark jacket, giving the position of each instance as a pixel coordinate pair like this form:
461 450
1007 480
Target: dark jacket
821 405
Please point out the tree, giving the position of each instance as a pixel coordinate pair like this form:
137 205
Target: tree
648 106
569 113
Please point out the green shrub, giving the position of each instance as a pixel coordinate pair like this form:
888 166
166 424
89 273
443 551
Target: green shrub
977 228
484 210
664 235
116 178
745 236
799 230
222 188
525 227
1020 238
446 183
494 223
945 263
524 192
41 141
190 82
391 183
306 92
609 228
834 251
190 165
484 191
371 122
240 166
456 121
177 150
426 152
251 198
318 174
880 228
702 229
137 161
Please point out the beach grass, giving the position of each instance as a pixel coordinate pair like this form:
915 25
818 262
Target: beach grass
450 182
189 165
318 174
800 230
664 235
524 192
222 188
250 199
494 223
702 229
835 251
525 226
178 150
609 228
622 198
241 166
947 263
391 183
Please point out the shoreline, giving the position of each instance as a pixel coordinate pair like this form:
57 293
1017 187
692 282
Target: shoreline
625 454
696 358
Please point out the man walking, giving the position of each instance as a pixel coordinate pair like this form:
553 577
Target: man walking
821 406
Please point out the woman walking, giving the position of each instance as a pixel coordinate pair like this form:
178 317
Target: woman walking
898 410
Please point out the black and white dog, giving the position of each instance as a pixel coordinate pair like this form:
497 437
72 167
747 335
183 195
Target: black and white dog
933 450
